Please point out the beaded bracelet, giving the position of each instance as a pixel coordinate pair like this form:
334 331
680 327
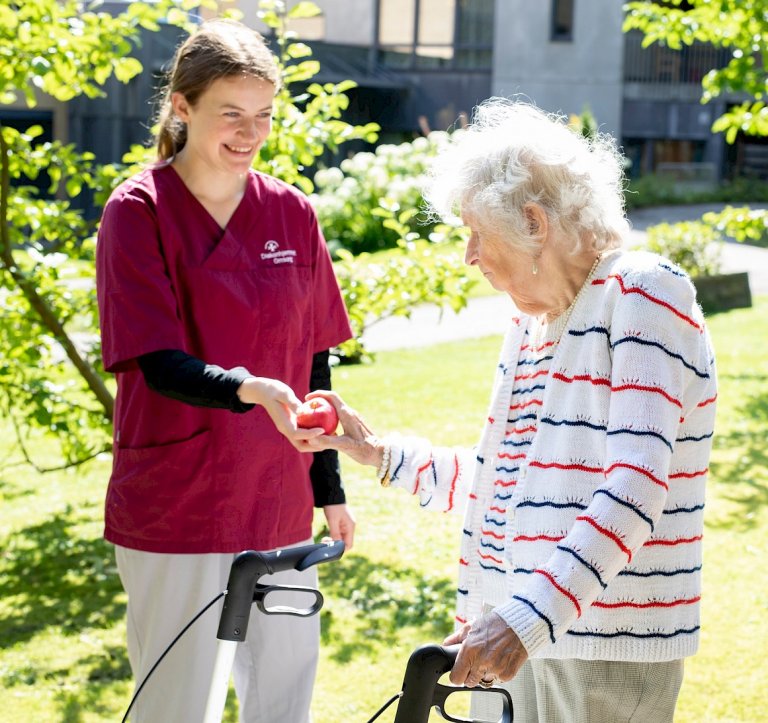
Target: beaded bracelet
383 472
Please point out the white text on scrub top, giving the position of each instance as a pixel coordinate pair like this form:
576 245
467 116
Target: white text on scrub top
278 257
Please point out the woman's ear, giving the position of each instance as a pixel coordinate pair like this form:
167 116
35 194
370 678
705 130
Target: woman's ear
180 106
536 221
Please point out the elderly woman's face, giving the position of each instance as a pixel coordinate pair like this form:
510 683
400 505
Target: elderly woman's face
506 268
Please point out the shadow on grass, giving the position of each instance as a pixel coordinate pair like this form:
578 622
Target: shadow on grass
53 578
386 599
747 473
96 697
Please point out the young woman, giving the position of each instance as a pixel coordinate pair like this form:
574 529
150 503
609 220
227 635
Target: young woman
218 306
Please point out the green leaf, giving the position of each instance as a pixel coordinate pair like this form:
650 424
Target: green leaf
298 50
304 9
126 69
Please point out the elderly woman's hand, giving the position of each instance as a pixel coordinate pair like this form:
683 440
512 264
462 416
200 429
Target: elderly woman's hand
358 441
490 651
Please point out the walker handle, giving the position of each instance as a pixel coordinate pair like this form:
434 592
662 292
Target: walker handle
260 593
421 691
249 566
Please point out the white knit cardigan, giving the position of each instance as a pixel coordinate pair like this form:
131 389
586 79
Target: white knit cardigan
603 534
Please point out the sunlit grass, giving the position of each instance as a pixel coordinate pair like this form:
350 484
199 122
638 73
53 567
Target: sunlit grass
62 655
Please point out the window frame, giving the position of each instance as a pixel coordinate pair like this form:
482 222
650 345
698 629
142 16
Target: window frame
556 35
456 47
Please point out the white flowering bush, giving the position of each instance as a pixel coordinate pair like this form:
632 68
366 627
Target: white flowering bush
349 199
372 202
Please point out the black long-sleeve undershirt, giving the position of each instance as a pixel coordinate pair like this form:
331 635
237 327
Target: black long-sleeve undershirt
178 375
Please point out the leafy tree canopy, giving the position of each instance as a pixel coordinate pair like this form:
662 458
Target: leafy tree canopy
740 25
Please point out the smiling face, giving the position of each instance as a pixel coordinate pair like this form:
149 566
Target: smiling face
228 124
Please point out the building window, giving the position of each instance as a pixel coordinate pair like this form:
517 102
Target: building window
562 21
435 34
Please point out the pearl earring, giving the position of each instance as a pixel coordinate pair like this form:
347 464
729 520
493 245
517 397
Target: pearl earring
535 269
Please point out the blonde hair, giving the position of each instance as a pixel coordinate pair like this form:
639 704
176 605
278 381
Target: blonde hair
218 49
513 154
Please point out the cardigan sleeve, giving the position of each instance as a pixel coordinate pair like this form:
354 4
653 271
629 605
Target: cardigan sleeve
661 369
441 476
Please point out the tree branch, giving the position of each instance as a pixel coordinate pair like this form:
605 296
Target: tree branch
36 301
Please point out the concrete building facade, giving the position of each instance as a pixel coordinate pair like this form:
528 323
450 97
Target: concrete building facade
424 64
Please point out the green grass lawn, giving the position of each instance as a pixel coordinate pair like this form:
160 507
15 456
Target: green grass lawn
62 655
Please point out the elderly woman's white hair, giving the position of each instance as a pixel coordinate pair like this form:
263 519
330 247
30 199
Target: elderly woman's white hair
513 154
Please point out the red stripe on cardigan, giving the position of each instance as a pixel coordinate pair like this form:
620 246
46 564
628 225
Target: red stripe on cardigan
689 475
581 378
535 538
453 481
540 373
607 533
642 471
637 290
491 534
524 430
525 347
558 465
643 388
656 604
523 405
672 543
502 483
707 401
559 587
418 474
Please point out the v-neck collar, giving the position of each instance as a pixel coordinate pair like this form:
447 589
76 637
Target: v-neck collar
244 200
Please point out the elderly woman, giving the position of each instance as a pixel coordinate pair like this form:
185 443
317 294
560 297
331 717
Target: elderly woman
580 568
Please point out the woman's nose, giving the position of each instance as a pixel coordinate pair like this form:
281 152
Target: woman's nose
470 255
249 129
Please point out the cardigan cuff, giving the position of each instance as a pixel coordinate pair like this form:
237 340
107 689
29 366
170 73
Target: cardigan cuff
533 629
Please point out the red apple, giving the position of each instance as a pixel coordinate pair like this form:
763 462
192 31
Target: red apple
317 412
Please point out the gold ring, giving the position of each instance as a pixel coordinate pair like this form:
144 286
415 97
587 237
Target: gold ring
488 683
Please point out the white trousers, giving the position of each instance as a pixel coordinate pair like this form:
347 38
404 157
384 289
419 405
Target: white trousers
274 669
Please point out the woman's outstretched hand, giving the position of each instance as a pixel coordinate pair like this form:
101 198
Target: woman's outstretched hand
358 441
281 404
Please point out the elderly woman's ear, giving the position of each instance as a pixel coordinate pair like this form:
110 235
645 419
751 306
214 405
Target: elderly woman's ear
536 221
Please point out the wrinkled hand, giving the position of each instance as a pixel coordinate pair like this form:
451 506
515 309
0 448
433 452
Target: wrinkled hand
281 405
341 524
358 441
489 649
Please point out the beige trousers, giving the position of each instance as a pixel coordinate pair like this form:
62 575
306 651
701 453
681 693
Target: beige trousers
588 691
274 669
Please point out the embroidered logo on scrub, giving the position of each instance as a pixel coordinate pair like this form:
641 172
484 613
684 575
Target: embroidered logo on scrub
272 251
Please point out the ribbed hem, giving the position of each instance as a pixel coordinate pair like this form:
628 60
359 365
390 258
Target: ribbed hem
635 646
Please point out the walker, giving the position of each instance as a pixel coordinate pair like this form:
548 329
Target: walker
420 691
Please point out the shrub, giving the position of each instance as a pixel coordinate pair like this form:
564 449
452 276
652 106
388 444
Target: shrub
349 199
694 246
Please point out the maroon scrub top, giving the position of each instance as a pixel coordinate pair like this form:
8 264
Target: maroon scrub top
260 294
